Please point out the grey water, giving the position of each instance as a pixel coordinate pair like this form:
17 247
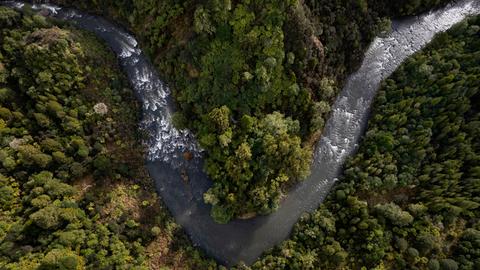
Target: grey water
246 240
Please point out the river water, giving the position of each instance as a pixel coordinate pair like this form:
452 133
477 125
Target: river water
181 183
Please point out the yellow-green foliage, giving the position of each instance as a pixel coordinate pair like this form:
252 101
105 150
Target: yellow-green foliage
256 59
57 155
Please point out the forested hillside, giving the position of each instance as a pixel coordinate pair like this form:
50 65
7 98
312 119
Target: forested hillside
254 80
74 193
410 198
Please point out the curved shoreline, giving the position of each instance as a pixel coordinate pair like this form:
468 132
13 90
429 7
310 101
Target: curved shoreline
245 240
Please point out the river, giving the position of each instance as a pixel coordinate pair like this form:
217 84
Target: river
181 183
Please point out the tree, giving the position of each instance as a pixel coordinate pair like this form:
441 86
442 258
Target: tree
394 214
202 21
62 259
448 264
31 155
8 17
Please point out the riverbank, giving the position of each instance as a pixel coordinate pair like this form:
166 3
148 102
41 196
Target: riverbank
408 199
75 192
245 240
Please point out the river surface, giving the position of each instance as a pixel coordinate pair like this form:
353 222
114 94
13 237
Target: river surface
182 183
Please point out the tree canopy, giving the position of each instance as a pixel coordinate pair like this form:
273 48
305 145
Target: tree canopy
245 61
254 81
70 171
409 199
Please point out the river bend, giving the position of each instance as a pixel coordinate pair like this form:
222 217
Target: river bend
245 240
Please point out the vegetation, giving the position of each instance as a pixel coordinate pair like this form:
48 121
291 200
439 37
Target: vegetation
244 70
70 164
71 170
409 199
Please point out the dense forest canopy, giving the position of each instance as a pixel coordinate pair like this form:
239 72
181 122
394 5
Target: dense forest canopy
410 198
255 80
70 162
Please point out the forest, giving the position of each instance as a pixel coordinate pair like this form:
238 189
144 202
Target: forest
74 193
254 80
410 197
